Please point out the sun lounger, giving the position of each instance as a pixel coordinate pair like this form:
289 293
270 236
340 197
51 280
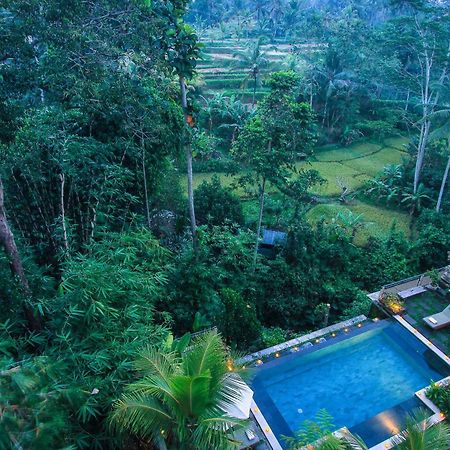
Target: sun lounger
439 320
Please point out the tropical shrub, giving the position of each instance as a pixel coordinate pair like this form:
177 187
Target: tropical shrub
273 336
180 397
440 396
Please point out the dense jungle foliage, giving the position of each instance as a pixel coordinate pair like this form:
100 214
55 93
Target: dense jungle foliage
109 247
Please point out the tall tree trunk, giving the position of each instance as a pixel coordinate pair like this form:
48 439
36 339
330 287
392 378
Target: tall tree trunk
188 153
9 244
254 89
423 140
262 191
444 182
144 174
63 214
407 100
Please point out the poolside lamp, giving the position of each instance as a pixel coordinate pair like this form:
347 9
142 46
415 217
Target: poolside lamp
333 334
346 330
359 325
277 355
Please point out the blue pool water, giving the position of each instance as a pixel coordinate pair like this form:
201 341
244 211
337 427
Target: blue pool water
354 380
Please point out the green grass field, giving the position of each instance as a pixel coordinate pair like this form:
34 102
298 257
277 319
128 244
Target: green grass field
379 220
353 165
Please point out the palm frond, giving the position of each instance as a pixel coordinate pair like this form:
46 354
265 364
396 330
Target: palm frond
207 353
354 442
140 415
152 361
216 431
192 393
421 434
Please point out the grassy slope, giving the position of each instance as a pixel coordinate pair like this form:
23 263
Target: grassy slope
354 164
379 220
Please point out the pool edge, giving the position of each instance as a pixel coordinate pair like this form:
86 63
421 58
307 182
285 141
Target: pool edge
420 394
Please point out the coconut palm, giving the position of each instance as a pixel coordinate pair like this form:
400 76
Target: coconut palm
180 399
213 105
421 434
332 79
254 59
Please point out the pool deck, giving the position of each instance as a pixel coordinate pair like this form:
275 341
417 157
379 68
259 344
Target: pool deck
387 444
437 416
301 340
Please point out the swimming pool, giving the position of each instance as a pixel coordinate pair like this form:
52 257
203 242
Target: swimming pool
365 381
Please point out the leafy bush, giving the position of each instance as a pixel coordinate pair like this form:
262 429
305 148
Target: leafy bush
273 336
216 205
221 165
376 128
393 303
440 396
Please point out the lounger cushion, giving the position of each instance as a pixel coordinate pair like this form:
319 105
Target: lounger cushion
441 320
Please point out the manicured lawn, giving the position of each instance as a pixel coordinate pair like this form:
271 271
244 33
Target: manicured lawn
424 305
379 219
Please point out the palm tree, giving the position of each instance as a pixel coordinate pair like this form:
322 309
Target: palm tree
332 78
421 434
378 187
392 173
180 399
235 113
415 199
213 105
253 59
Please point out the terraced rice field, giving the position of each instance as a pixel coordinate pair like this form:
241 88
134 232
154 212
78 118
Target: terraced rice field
220 71
379 220
352 165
